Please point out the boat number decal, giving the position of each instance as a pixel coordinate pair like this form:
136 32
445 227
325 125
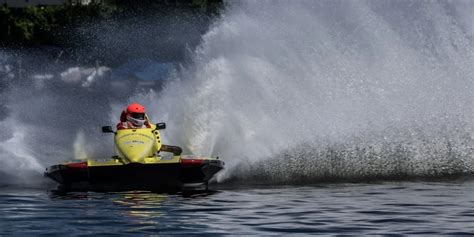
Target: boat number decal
134 141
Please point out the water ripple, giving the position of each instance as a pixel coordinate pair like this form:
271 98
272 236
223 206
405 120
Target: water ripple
379 209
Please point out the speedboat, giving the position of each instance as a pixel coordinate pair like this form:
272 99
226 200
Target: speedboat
142 163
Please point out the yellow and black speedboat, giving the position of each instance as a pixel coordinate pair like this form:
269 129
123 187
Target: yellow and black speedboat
142 163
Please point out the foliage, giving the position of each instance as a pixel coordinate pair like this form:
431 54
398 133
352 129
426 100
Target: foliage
50 25
37 25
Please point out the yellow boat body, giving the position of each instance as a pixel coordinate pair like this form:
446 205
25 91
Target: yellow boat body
134 145
142 163
141 146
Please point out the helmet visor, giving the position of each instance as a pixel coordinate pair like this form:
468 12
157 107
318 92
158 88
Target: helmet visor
140 116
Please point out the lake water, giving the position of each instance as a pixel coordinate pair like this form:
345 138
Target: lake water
427 208
300 92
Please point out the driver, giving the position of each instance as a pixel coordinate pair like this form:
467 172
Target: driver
133 117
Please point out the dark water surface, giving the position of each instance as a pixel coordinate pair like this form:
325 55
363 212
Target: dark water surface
382 208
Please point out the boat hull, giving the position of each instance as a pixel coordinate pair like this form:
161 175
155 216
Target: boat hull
190 174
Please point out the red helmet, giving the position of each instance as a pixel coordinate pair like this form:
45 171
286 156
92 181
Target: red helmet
135 108
136 114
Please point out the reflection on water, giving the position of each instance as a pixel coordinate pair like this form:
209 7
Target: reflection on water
141 210
141 204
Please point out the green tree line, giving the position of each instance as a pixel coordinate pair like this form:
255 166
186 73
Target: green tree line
38 25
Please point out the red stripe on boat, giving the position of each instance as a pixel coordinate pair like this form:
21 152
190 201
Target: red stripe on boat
192 161
81 165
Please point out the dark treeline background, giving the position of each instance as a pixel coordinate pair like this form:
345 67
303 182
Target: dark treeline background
109 30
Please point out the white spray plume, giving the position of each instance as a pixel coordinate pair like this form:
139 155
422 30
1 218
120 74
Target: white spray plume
271 77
